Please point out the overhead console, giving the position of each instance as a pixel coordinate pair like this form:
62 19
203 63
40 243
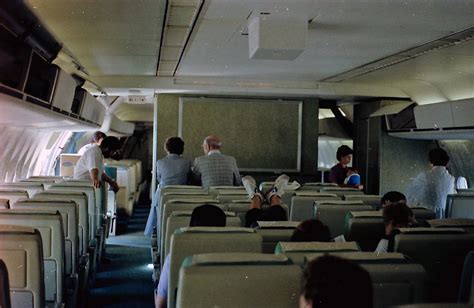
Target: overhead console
442 121
28 81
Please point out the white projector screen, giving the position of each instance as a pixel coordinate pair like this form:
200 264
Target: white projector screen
263 135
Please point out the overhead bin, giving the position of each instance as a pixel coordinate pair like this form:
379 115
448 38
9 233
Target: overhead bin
92 109
441 121
113 126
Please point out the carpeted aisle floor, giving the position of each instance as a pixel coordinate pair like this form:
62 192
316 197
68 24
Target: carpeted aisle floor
126 280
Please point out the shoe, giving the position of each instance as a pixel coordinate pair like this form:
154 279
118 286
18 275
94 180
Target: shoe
293 185
279 187
251 187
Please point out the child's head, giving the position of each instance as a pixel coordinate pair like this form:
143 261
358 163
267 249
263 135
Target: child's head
351 171
353 178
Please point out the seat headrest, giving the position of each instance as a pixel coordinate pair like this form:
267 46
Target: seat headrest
188 201
16 229
366 214
431 230
451 222
339 202
183 187
277 224
233 192
309 193
189 213
198 193
235 258
226 187
330 188
214 230
362 197
13 191
4 202
316 246
365 257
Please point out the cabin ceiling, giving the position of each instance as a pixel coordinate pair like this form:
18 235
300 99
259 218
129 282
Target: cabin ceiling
118 43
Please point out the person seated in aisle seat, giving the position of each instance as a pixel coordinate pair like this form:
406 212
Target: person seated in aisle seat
395 215
431 188
275 212
339 172
392 197
170 170
330 282
91 164
311 230
215 168
96 140
206 215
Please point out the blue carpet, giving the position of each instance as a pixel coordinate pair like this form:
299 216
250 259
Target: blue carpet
126 280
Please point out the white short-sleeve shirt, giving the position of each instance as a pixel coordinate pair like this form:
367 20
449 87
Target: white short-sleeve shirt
91 159
85 148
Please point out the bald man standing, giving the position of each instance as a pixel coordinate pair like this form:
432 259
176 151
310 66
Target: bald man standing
215 168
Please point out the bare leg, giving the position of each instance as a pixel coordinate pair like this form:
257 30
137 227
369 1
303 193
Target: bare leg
256 202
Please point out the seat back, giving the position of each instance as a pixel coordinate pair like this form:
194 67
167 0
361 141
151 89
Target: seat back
4 286
80 200
178 205
316 186
465 223
365 228
423 214
296 251
190 241
227 195
441 252
395 279
460 206
238 280
273 232
181 219
31 187
466 289
21 253
333 215
91 203
373 200
46 183
302 204
13 195
68 211
4 204
50 227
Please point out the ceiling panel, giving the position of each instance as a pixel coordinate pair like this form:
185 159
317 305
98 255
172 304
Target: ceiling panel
344 35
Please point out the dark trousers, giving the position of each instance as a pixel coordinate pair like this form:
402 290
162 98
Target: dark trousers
273 213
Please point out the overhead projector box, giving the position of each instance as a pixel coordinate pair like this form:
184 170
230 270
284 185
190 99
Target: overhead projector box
277 36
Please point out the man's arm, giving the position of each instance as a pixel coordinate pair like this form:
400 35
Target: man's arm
95 177
111 182
237 177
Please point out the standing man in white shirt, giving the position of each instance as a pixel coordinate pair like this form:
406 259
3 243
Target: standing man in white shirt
91 165
96 139
431 188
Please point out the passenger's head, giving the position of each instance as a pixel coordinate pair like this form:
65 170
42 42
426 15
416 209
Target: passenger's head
211 143
311 230
174 145
396 215
207 215
393 197
97 137
344 154
110 147
331 281
438 157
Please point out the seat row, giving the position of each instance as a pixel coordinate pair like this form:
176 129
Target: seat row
67 221
408 276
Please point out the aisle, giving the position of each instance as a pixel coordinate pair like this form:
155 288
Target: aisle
126 280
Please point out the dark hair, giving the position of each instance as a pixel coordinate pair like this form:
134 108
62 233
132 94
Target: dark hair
342 151
331 281
207 215
438 157
96 136
311 230
398 213
393 196
111 148
174 145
